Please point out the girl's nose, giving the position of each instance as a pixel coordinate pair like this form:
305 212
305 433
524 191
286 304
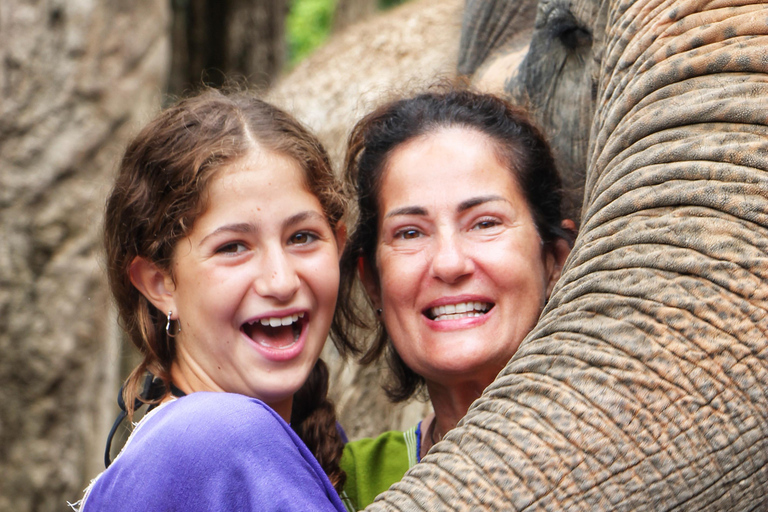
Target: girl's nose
277 278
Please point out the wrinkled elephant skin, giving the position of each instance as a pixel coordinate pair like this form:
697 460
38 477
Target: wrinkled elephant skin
645 384
548 66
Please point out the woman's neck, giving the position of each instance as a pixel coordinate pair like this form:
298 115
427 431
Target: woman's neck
450 404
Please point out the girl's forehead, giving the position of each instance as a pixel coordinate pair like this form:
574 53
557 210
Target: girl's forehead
257 183
261 163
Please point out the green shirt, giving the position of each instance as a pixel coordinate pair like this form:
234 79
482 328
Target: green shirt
373 464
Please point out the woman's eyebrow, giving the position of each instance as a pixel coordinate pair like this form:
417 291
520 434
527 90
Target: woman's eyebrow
407 210
471 203
463 206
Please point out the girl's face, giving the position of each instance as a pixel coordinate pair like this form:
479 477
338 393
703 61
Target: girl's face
462 275
254 284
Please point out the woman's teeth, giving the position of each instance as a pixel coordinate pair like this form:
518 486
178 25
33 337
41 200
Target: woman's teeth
460 310
278 321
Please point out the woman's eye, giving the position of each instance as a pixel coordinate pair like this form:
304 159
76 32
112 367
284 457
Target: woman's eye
232 248
486 223
408 234
302 238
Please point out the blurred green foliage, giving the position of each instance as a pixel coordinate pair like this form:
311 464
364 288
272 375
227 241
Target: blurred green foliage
386 4
309 24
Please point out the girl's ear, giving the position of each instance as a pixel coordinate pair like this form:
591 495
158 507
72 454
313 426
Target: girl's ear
370 280
341 237
561 249
153 284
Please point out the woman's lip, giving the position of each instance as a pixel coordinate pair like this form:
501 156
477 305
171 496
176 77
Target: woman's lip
457 299
467 322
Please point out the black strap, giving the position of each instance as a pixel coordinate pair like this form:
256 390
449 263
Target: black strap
120 417
152 389
176 391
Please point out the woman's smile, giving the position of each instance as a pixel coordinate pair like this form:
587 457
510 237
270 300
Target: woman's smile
446 311
462 273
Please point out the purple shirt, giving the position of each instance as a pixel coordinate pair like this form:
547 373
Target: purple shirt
213 452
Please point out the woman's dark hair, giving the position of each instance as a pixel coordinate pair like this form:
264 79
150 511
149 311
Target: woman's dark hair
518 144
160 191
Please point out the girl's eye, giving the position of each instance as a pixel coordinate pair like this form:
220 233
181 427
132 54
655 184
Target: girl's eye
407 234
232 248
302 238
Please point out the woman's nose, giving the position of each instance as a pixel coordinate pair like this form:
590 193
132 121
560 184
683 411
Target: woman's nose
450 261
277 278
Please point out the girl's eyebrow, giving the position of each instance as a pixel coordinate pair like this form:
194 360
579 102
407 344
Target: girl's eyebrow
463 206
301 217
240 227
247 228
243 228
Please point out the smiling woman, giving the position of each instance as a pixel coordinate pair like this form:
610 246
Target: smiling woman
457 253
223 234
459 244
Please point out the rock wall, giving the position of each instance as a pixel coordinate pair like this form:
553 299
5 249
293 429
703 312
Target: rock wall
401 50
77 78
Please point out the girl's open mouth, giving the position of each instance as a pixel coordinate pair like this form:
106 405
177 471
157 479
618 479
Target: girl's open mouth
275 332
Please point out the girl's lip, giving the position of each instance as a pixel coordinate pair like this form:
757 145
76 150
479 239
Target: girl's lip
277 314
276 354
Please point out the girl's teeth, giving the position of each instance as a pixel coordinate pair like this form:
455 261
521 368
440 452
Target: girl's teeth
280 321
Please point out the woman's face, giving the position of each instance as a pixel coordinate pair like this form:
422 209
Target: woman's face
255 283
462 276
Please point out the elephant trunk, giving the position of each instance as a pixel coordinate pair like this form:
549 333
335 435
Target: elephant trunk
643 385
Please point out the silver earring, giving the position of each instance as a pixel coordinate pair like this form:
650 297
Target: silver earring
168 327
379 312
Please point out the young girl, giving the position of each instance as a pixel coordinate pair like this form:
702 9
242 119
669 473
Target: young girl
223 234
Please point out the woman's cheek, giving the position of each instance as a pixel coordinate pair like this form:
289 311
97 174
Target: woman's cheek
395 273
